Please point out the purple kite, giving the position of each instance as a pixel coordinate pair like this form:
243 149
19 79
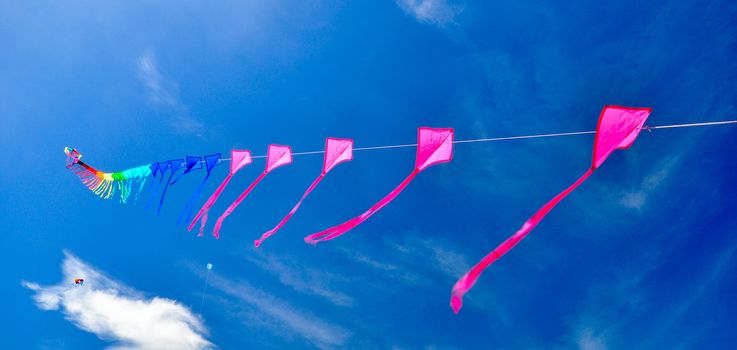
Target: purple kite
336 151
238 159
433 146
617 129
277 156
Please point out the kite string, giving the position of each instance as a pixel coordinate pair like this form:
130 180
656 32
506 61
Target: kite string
207 279
535 136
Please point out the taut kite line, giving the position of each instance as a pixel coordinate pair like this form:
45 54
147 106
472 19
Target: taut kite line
618 127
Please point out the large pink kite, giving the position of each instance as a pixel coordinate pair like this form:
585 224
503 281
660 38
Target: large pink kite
617 129
433 146
238 159
276 156
336 151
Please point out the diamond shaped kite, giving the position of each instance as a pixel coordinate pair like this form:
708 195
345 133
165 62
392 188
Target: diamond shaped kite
433 146
336 151
618 128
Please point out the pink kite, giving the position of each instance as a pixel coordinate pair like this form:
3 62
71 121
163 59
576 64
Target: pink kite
276 157
336 151
238 159
433 146
617 129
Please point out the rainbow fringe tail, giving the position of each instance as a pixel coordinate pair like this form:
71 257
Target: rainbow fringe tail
106 185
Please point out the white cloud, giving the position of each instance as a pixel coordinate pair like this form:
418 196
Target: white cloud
118 313
163 93
437 12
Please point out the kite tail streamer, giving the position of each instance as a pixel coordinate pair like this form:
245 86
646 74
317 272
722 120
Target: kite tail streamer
202 214
465 283
186 213
163 192
340 229
140 188
105 184
152 192
219 223
281 223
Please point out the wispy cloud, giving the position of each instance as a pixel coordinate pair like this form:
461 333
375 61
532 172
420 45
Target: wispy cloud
436 12
116 312
159 91
163 93
303 279
415 261
440 255
262 309
588 341
617 302
637 198
359 257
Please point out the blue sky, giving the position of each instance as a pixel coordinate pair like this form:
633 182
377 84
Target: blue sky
642 256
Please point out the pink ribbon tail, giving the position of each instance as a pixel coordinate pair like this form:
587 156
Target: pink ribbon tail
466 282
340 229
208 204
283 221
216 230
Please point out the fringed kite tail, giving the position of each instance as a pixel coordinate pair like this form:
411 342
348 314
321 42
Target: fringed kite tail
465 283
283 221
340 229
105 185
202 213
231 208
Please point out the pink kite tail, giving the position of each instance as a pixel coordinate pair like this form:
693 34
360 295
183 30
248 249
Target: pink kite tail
283 221
216 230
340 229
465 283
206 207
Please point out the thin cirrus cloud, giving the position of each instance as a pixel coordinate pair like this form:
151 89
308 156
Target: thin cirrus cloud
638 198
163 94
262 310
308 280
436 12
118 313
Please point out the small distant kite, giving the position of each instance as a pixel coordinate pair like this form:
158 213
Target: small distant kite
79 281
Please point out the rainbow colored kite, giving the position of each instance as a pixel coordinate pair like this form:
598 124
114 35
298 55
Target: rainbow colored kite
105 184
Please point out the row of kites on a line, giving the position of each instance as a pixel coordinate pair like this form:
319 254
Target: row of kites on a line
617 129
